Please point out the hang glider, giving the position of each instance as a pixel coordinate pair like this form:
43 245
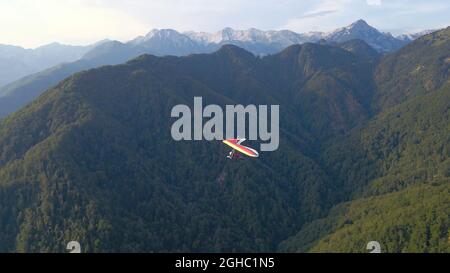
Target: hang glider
235 143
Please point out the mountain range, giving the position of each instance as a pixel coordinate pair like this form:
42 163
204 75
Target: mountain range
162 42
364 154
269 42
17 62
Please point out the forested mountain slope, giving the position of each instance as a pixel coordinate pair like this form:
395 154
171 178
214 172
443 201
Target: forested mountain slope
396 168
92 159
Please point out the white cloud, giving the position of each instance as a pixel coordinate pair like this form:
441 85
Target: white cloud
373 2
322 16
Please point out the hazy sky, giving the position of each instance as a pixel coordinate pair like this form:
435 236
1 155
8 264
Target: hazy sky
31 23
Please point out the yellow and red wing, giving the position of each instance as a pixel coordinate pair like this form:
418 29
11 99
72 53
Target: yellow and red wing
240 148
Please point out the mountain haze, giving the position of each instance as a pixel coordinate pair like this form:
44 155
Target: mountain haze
382 42
16 62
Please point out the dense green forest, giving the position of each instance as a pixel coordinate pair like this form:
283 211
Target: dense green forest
397 169
364 155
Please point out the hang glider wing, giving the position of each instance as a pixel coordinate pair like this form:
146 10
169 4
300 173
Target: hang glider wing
236 145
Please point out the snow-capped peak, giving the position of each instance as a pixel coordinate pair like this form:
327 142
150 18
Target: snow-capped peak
268 41
415 35
161 34
252 35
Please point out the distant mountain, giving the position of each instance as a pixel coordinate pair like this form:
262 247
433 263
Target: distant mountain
167 42
170 42
16 62
412 36
253 40
382 42
283 37
272 41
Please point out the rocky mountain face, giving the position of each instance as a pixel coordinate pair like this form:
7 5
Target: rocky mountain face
382 42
